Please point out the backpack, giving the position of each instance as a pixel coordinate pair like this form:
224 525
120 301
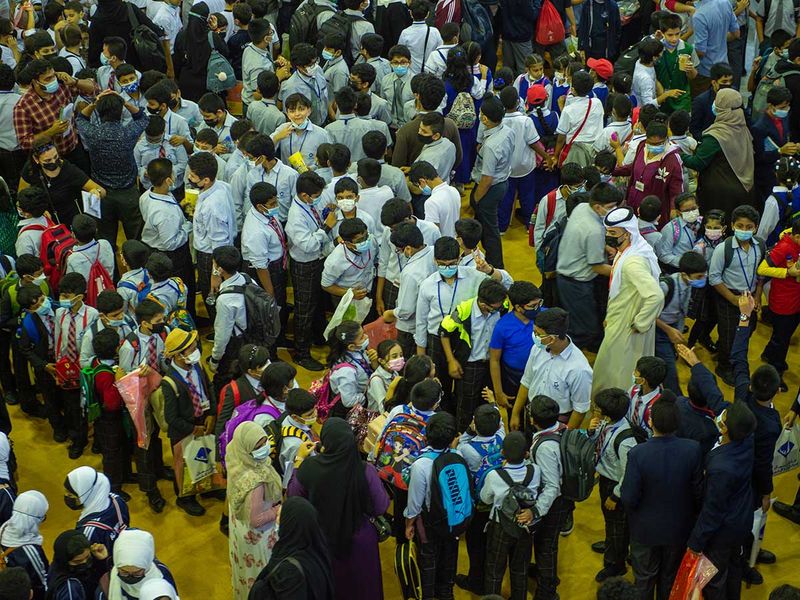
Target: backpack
94 407
243 412
179 317
146 44
451 507
637 432
463 111
408 430
407 570
577 462
491 454
98 280
56 246
670 283
276 432
762 247
303 24
142 289
626 63
550 26
549 247
220 75
133 339
118 528
770 79
551 211
262 313
340 22
10 279
518 497
321 390
476 24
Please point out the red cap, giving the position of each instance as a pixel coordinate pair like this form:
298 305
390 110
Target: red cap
601 66
536 95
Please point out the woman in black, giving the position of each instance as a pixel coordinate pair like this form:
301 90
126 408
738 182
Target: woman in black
20 537
112 18
192 51
61 179
77 567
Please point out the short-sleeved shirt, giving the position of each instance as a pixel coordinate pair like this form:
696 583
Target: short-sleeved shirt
496 154
525 136
712 21
742 272
515 339
443 207
574 114
564 377
266 116
583 244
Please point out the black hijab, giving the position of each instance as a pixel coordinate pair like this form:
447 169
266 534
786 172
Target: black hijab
110 11
300 537
198 50
337 485
67 546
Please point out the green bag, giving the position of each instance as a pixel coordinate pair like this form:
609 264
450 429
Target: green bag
91 404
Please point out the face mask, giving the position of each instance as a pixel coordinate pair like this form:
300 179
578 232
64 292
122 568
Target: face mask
667 45
743 236
104 60
605 178
66 302
531 313
718 423
301 126
72 503
400 70
51 87
40 279
697 283
194 357
538 343
83 568
52 166
655 149
364 246
448 271
691 216
364 345
46 308
131 88
613 242
396 364
781 113
210 122
216 272
262 453
154 111
307 420
346 204
713 234
273 212
427 190
130 579
327 55
157 328
424 139
115 322
783 53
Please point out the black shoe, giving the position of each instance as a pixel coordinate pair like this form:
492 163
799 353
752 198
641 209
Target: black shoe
533 573
96 449
35 410
787 511
191 506
752 577
209 337
156 502
223 525
11 399
782 386
568 526
310 364
122 494
462 581
60 436
726 375
131 479
216 494
709 345
75 452
608 572
167 474
599 547
765 557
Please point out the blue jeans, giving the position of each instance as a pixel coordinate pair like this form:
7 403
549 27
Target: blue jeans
666 351
525 187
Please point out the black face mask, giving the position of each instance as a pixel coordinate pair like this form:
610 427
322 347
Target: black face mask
154 111
72 503
424 139
158 328
130 579
354 86
173 102
613 242
210 122
83 568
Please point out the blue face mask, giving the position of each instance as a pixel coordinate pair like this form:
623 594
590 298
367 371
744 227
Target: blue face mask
400 70
273 212
743 236
605 178
131 88
655 149
363 246
104 60
46 308
327 55
538 343
427 190
51 87
781 113
714 109
697 283
448 270
115 322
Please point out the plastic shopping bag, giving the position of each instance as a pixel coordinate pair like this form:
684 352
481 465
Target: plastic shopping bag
787 450
339 313
198 455
759 527
202 454
378 331
135 391
694 573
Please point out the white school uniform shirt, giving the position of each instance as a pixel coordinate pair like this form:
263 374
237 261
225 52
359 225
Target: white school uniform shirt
75 60
291 444
30 241
382 68
190 112
347 269
443 207
481 333
337 74
621 128
565 377
83 257
128 288
644 84
305 142
7 57
254 61
376 231
307 240
168 18
441 154
371 200
263 240
390 263
130 359
328 196
539 228
165 226
231 319
235 160
572 116
313 87
87 350
494 489
349 130
266 116
397 109
772 214
282 176
175 124
525 135
223 131
214 219
8 135
170 293
437 60
83 319
144 152
531 82
421 40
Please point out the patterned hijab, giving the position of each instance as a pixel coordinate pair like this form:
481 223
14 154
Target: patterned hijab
245 473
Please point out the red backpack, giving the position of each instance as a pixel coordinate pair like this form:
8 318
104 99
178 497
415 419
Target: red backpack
551 209
57 244
98 280
550 26
447 11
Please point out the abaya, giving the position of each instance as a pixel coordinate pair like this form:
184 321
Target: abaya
192 52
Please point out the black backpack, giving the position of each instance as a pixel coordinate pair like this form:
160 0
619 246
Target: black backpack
550 243
670 283
728 243
626 63
518 497
263 313
146 44
341 22
577 462
303 25
637 432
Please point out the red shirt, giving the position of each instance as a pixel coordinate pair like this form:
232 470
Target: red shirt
784 294
34 114
107 392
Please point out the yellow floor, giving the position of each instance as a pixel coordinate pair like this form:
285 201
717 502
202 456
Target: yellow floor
197 553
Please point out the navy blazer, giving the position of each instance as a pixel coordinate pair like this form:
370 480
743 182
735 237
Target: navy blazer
697 422
763 130
702 117
662 490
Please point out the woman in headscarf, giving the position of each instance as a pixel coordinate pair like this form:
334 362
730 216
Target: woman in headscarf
635 300
300 565
8 487
192 51
157 589
347 493
111 19
724 157
254 496
103 514
77 567
21 532
134 563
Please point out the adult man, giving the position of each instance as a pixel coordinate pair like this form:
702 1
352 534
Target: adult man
714 24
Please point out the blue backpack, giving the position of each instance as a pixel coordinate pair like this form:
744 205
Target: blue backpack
451 506
491 454
142 290
476 25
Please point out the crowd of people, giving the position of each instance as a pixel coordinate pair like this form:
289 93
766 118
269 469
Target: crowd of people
301 166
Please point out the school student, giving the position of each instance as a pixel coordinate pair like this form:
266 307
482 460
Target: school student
154 144
351 265
241 133
296 429
301 134
352 363
256 58
111 309
135 282
176 127
619 124
372 196
337 74
648 385
89 249
649 213
436 62
395 87
347 128
386 376
219 120
468 236
436 150
253 360
552 207
346 191
309 81
265 114
580 124
442 200
681 233
364 80
32 203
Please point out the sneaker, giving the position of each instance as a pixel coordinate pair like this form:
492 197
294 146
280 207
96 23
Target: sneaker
726 375
787 511
462 581
96 448
599 547
35 410
191 506
782 386
751 576
156 501
167 474
608 572
310 364
216 494
568 526
765 557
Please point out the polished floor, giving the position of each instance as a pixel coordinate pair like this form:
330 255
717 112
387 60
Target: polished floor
197 553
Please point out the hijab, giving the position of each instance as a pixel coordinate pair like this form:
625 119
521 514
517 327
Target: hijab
196 43
153 589
625 218
92 489
300 537
110 11
67 546
730 130
30 509
5 453
245 473
337 485
133 548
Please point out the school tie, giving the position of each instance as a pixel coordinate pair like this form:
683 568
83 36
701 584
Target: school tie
72 339
194 393
600 441
273 222
316 216
397 100
161 152
51 338
112 80
152 353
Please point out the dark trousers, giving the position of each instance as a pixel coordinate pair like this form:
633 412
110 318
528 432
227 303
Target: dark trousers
502 550
389 297
666 352
783 328
736 55
309 318
469 390
7 379
390 22
438 560
183 267
27 395
110 434
407 343
11 163
436 353
550 291
727 324
654 569
418 205
150 463
279 278
64 410
204 268
486 214
585 322
617 533
727 583
525 188
476 548
228 368
120 206
545 549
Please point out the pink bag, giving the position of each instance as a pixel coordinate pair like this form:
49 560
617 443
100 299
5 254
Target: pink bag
378 331
135 392
695 572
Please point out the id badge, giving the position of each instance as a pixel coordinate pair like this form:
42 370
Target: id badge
639 186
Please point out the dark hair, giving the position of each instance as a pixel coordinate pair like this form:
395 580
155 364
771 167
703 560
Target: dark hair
147 309
431 93
7 80
670 21
621 83
105 343
395 211
28 264
778 95
109 108
385 347
261 145
510 98
159 169
785 591
425 394
159 93
365 72
606 193
407 234
243 13
309 183
299 401
228 258
650 208
33 200
28 295
441 429
240 128
261 192
335 40
487 419
151 78
649 49
450 31
553 321
515 445
350 228
372 43
740 421
684 197
446 248
692 263
297 100
457 70
267 82
618 589
720 70
277 376
204 164
156 126
422 170
15 584
399 51
345 184
344 334
470 232
745 211
417 368
652 369
345 100
622 106
679 122
435 121
373 143
491 291
764 383
252 356
521 293
258 29
656 129
369 170
606 160
109 301
84 228
571 174
339 159
206 136
582 83
613 403
116 47
159 266
665 414
543 411
493 109
72 283
211 103
135 253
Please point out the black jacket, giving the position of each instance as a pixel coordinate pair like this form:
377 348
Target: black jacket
662 490
519 20
697 423
111 19
764 173
701 117
33 341
791 79
178 409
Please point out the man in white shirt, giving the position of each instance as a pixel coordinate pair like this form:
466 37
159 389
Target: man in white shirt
168 18
443 203
420 38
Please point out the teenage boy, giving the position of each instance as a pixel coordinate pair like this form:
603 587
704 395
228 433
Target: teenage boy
374 144
771 140
363 81
395 87
88 249
32 203
113 55
581 123
372 196
648 385
296 430
437 60
230 321
135 280
420 38
442 200
733 270
437 149
351 264
153 145
468 236
371 54
111 309
692 274
676 66
347 200
336 72
217 118
176 127
256 58
301 134
310 242
348 129
309 81
268 169
265 114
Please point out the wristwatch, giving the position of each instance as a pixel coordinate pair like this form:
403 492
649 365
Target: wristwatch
743 317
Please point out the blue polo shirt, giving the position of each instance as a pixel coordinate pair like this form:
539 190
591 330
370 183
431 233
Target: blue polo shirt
515 339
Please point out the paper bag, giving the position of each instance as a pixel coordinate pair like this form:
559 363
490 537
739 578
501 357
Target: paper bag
203 455
378 331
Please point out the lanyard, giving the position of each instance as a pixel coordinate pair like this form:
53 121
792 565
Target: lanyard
309 214
303 141
751 281
356 265
361 363
607 437
452 298
265 176
314 88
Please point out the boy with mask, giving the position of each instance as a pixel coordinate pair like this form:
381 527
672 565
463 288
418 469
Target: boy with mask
301 134
308 80
351 265
153 145
176 128
111 309
347 200
256 58
680 234
396 86
216 117
337 74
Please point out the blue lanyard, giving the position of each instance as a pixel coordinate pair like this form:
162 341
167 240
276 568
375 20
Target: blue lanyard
452 298
314 88
607 440
361 363
275 170
309 214
749 282
303 141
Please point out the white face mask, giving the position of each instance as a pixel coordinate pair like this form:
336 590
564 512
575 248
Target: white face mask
346 204
261 453
194 357
713 234
691 216
40 279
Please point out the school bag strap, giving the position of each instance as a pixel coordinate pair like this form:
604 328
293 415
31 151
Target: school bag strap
551 208
506 477
568 146
670 283
237 396
728 249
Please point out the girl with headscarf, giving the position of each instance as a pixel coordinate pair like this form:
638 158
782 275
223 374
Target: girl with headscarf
254 496
347 493
103 514
111 19
77 567
635 300
724 157
192 51
157 589
8 487
21 532
300 566
134 563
